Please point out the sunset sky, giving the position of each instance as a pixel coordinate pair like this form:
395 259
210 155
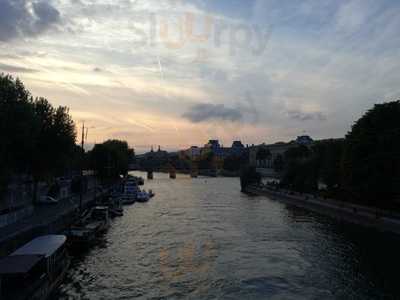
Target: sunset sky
177 73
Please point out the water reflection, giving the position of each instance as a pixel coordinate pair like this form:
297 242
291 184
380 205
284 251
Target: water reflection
202 238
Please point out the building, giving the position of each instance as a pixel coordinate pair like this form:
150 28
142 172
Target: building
272 151
237 148
193 152
304 140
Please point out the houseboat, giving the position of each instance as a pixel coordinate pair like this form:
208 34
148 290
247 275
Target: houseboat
35 270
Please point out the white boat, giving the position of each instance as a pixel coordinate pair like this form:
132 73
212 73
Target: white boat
35 270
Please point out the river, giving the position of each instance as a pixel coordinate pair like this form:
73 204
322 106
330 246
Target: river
202 239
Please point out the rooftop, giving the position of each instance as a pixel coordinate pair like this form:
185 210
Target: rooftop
44 245
18 264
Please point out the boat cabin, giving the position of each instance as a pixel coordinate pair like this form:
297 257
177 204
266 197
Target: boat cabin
35 269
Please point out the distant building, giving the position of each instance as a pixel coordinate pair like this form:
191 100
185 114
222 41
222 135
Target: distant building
304 140
193 152
275 150
237 148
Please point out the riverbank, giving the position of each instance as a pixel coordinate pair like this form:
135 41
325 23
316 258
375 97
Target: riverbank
376 218
46 219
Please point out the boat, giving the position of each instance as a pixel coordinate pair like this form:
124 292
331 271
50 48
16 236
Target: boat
35 270
142 196
92 224
99 219
130 191
80 236
115 207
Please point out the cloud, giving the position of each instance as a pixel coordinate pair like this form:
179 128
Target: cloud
205 112
21 18
306 116
16 69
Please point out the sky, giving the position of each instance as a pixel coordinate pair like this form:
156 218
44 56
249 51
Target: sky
177 73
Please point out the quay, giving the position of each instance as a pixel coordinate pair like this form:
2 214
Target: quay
46 219
376 218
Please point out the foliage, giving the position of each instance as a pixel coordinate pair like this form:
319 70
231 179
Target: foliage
328 155
364 167
111 159
55 143
300 169
37 139
371 163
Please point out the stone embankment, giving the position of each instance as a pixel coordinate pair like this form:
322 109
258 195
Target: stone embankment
46 219
382 220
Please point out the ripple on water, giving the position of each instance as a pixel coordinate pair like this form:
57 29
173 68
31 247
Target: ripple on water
202 239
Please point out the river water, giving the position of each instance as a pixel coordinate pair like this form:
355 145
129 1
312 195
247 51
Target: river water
202 239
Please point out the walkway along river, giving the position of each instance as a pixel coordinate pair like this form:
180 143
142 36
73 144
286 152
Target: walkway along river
202 239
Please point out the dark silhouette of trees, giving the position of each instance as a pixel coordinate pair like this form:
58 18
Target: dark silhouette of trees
55 143
371 161
364 167
17 128
300 172
37 139
110 159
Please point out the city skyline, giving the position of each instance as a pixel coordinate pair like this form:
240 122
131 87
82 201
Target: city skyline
176 73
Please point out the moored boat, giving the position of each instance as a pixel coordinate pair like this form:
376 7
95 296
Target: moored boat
35 270
99 219
143 196
84 232
130 191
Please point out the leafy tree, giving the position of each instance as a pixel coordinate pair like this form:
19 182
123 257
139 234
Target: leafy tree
37 139
328 155
371 163
17 128
17 124
110 159
300 170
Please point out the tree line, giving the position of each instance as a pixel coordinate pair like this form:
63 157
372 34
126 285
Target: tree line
39 140
363 167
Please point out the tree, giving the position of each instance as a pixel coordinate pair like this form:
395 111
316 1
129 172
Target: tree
55 144
37 139
18 129
17 124
328 155
110 159
371 163
300 170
